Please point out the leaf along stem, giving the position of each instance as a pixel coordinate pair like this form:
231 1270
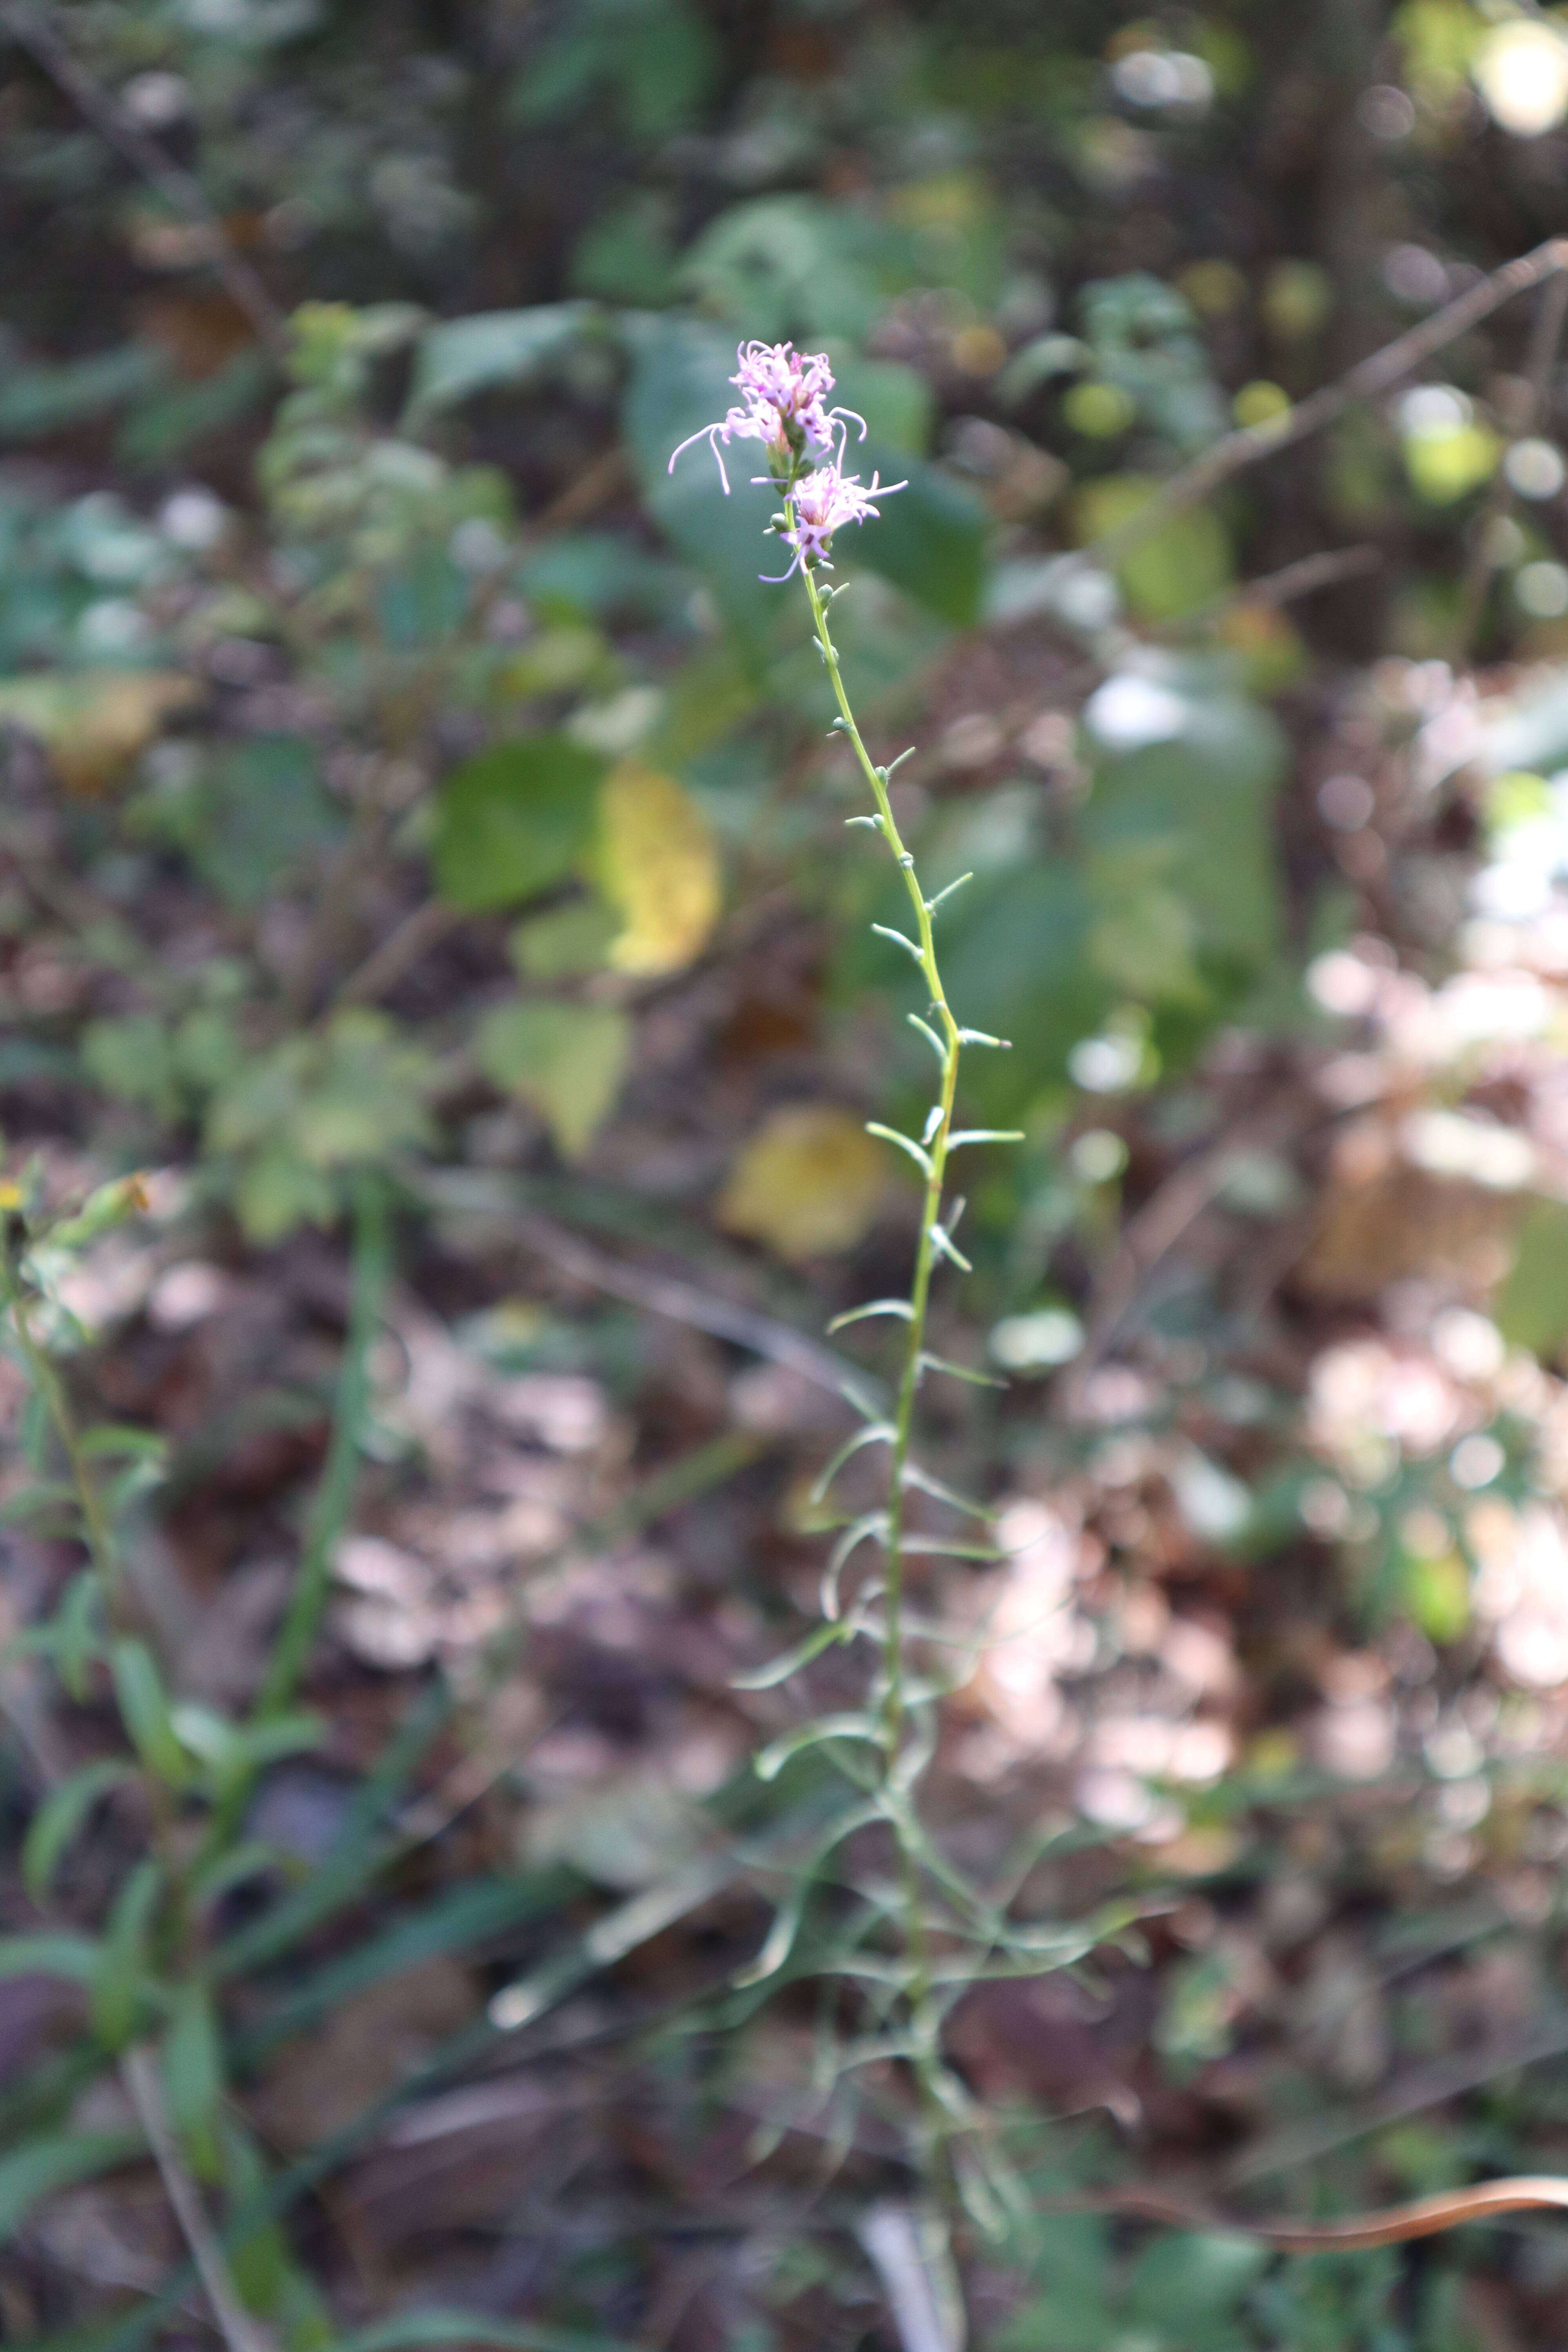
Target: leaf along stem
936 1150
335 1497
102 1548
948 1039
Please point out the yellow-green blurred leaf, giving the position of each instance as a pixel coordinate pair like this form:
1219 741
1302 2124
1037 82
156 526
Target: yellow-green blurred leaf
563 942
1443 466
658 866
94 722
1177 568
807 1183
566 1061
1436 1592
1531 1310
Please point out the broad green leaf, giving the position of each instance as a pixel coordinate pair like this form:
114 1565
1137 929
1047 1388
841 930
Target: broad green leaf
486 349
1182 758
62 1813
38 400
657 56
1015 958
513 820
168 423
262 812
680 383
1193 2281
1531 1310
130 1057
896 402
566 1061
276 1192
807 1183
931 537
657 864
778 266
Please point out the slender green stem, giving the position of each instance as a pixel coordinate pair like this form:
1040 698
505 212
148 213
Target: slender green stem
936 1149
334 1496
894 1706
98 1534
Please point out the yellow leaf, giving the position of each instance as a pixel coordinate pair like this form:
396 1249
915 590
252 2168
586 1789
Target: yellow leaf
659 867
806 1183
94 722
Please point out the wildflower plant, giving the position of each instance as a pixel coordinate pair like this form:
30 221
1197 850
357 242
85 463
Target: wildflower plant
922 1939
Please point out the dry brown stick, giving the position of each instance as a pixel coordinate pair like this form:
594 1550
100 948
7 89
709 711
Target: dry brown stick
1393 2225
241 2331
1545 336
1302 578
682 1302
1380 373
34 30
403 946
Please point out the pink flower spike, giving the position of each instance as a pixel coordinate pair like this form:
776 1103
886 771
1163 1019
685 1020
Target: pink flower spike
825 502
784 404
712 435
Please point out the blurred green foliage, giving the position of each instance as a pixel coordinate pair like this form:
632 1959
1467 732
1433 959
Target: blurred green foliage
320 660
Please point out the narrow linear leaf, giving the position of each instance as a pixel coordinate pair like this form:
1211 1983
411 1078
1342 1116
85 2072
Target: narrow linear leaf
941 1492
790 1662
72 1957
898 1306
31 1501
139 1687
945 1246
874 1524
930 1363
905 1143
877 1433
62 1813
901 939
787 1919
985 1135
193 2078
949 1547
772 1759
45 2166
120 1972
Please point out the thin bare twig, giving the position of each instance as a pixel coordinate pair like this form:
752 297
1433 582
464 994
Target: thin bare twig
241 2332
1196 481
1302 578
908 2248
403 946
33 29
1395 2225
682 1302
1545 336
